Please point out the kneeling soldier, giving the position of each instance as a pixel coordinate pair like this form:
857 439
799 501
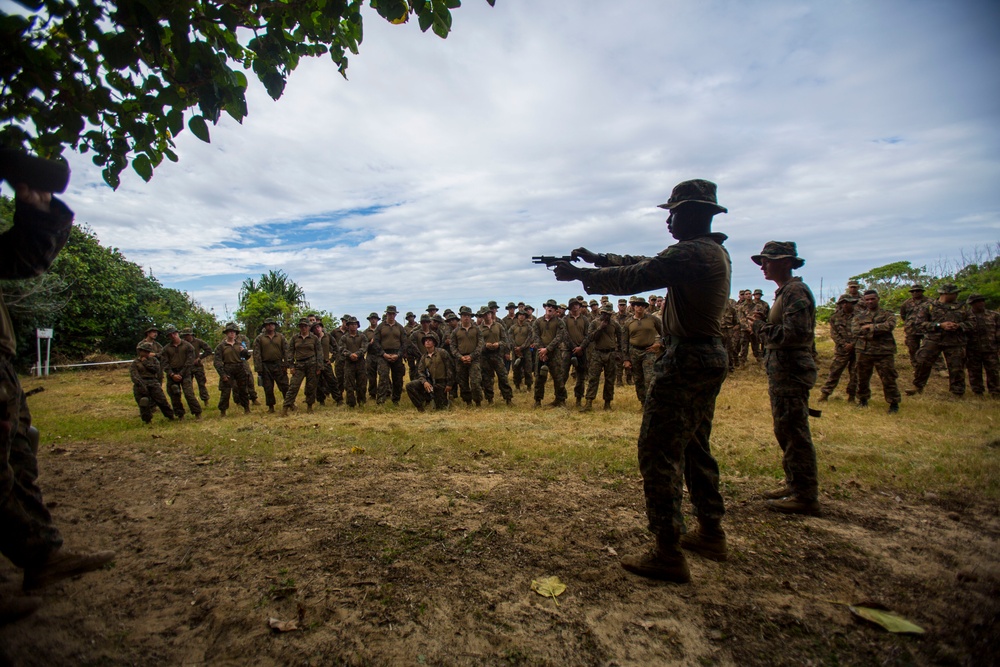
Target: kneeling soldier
435 376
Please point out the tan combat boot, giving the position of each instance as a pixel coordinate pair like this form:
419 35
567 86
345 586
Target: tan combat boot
708 540
589 407
663 561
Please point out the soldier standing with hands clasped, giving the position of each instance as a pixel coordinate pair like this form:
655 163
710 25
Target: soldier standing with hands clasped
680 403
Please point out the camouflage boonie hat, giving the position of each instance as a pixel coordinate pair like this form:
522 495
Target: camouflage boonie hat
145 346
592 302
391 309
373 316
622 301
846 298
606 308
430 335
639 301
853 283
410 314
153 328
529 307
521 312
431 307
492 304
948 288
574 302
465 310
187 331
917 287
511 304
779 250
169 329
304 321
450 316
551 303
696 191
562 306
231 326
437 318
482 312
350 319
975 297
271 320
425 318
758 291
319 323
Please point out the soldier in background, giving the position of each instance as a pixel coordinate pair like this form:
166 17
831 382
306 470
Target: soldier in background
434 378
230 356
371 360
603 343
789 335
151 333
981 348
390 344
521 341
854 290
270 360
757 305
641 346
743 312
548 333
496 346
843 350
944 323
177 359
305 354
620 317
202 351
576 357
467 348
508 320
730 325
875 347
326 383
146 377
908 314
351 349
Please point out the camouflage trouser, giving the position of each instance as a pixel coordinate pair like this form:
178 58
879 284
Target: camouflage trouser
912 342
954 357
642 371
742 347
338 375
420 396
390 378
842 361
553 372
236 386
273 373
674 438
326 384
602 360
492 363
355 379
523 370
580 382
27 534
198 374
251 387
183 388
155 398
302 371
561 359
885 365
469 378
756 347
979 363
371 374
791 428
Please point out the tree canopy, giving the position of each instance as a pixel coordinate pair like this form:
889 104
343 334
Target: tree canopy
122 78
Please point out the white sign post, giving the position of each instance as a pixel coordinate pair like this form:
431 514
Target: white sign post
47 335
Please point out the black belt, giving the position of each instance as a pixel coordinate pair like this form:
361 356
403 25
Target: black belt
641 349
393 351
606 349
693 340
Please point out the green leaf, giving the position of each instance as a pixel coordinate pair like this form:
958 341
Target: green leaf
549 587
887 620
143 167
199 127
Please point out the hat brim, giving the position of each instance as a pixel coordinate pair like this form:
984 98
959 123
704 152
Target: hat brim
712 205
799 262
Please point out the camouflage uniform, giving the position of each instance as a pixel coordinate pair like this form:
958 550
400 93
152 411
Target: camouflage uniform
680 404
639 344
251 388
146 377
229 358
745 330
907 314
622 375
468 376
179 360
371 362
844 357
789 336
521 341
306 356
576 335
938 341
201 350
270 360
337 381
604 345
436 369
981 351
548 334
876 350
354 370
326 383
757 306
730 324
492 361
390 339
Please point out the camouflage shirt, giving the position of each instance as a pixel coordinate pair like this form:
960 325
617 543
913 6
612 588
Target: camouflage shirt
879 339
984 333
840 330
789 336
178 359
933 313
908 312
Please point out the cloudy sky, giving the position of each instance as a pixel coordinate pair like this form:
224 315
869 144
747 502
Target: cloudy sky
867 132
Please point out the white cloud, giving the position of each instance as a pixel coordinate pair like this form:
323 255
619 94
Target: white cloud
867 132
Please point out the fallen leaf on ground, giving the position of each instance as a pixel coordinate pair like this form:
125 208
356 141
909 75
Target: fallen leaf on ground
548 587
282 626
887 620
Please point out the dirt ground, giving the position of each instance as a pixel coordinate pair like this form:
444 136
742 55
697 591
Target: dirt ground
384 563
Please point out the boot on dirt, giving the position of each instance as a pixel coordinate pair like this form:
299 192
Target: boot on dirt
863 403
509 402
794 505
775 494
62 564
222 413
579 400
664 561
270 408
246 409
607 406
15 608
309 408
284 410
914 391
589 407
893 408
538 404
707 540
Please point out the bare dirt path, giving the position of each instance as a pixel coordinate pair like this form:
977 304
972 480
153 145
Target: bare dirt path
386 563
